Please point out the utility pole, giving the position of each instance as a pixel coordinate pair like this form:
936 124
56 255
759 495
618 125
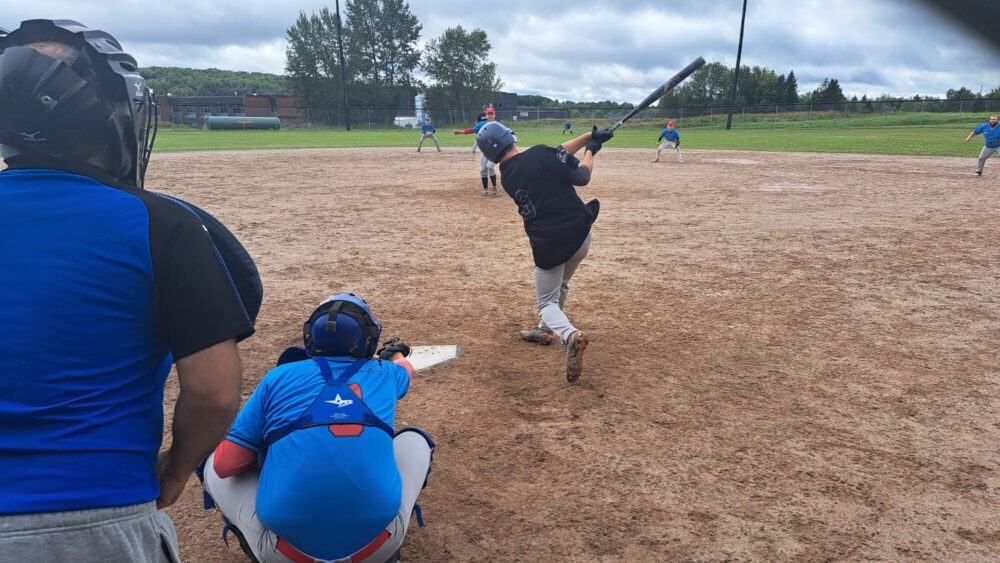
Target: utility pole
343 71
736 73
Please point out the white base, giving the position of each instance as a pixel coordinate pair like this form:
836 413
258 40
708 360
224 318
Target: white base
424 357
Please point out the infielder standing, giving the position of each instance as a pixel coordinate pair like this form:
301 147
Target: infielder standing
557 222
487 169
670 139
427 131
991 145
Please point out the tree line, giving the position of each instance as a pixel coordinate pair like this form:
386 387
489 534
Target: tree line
710 86
379 39
178 81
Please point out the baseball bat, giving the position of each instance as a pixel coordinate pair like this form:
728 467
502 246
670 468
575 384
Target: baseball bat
659 92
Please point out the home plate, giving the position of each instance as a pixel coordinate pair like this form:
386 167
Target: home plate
424 357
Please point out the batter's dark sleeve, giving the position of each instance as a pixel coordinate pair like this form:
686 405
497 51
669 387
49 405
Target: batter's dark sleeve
196 299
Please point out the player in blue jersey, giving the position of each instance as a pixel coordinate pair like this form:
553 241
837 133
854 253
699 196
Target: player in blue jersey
670 139
312 469
991 141
105 286
427 131
487 169
567 127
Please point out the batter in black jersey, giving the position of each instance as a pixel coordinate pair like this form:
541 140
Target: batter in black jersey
542 180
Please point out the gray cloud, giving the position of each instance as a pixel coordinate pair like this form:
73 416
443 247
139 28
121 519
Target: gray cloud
588 50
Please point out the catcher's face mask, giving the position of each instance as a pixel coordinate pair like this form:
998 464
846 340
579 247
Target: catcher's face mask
94 107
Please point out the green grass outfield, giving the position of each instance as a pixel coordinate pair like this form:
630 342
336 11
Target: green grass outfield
915 140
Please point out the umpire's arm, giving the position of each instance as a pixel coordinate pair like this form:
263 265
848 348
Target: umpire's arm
210 381
201 317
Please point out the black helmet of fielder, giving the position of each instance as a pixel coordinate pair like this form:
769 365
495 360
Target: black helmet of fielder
90 107
494 139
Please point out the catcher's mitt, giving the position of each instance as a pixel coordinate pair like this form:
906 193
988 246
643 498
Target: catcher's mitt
392 346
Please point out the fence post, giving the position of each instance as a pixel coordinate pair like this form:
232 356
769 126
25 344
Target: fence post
810 114
961 104
884 108
846 105
775 116
744 124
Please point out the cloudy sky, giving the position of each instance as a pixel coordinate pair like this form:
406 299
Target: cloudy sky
587 49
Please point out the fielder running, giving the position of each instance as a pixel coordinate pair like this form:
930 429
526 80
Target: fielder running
670 139
540 180
312 468
991 141
427 131
487 169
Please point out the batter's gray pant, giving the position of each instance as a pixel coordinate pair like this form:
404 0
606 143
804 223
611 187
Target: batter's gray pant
985 155
431 137
236 498
137 532
672 145
551 290
486 168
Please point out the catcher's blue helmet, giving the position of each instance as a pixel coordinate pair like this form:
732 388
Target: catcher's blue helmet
71 106
343 325
494 139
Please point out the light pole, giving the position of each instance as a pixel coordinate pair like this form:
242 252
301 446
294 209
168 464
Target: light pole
736 73
343 71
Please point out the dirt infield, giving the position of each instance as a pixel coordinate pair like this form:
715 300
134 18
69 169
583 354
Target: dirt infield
793 356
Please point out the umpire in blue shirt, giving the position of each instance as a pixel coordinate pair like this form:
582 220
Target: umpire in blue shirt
105 286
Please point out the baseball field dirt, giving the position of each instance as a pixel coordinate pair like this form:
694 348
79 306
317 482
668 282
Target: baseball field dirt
792 356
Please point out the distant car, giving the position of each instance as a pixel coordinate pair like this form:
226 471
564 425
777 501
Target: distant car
408 121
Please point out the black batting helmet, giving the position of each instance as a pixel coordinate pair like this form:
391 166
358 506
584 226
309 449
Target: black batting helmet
89 103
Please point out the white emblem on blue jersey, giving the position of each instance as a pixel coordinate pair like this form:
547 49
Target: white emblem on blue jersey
341 402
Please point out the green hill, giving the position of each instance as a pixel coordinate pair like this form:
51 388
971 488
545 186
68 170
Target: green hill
178 81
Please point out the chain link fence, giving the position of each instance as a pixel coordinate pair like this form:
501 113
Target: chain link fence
967 112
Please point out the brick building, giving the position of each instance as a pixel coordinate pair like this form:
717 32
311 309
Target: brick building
192 110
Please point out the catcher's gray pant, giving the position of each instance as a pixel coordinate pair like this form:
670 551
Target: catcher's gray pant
985 155
671 145
236 498
486 168
137 532
431 137
551 290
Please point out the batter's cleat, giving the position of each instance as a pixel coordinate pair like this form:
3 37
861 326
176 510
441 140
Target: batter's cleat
575 347
539 335
485 193
977 173
656 160
495 192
